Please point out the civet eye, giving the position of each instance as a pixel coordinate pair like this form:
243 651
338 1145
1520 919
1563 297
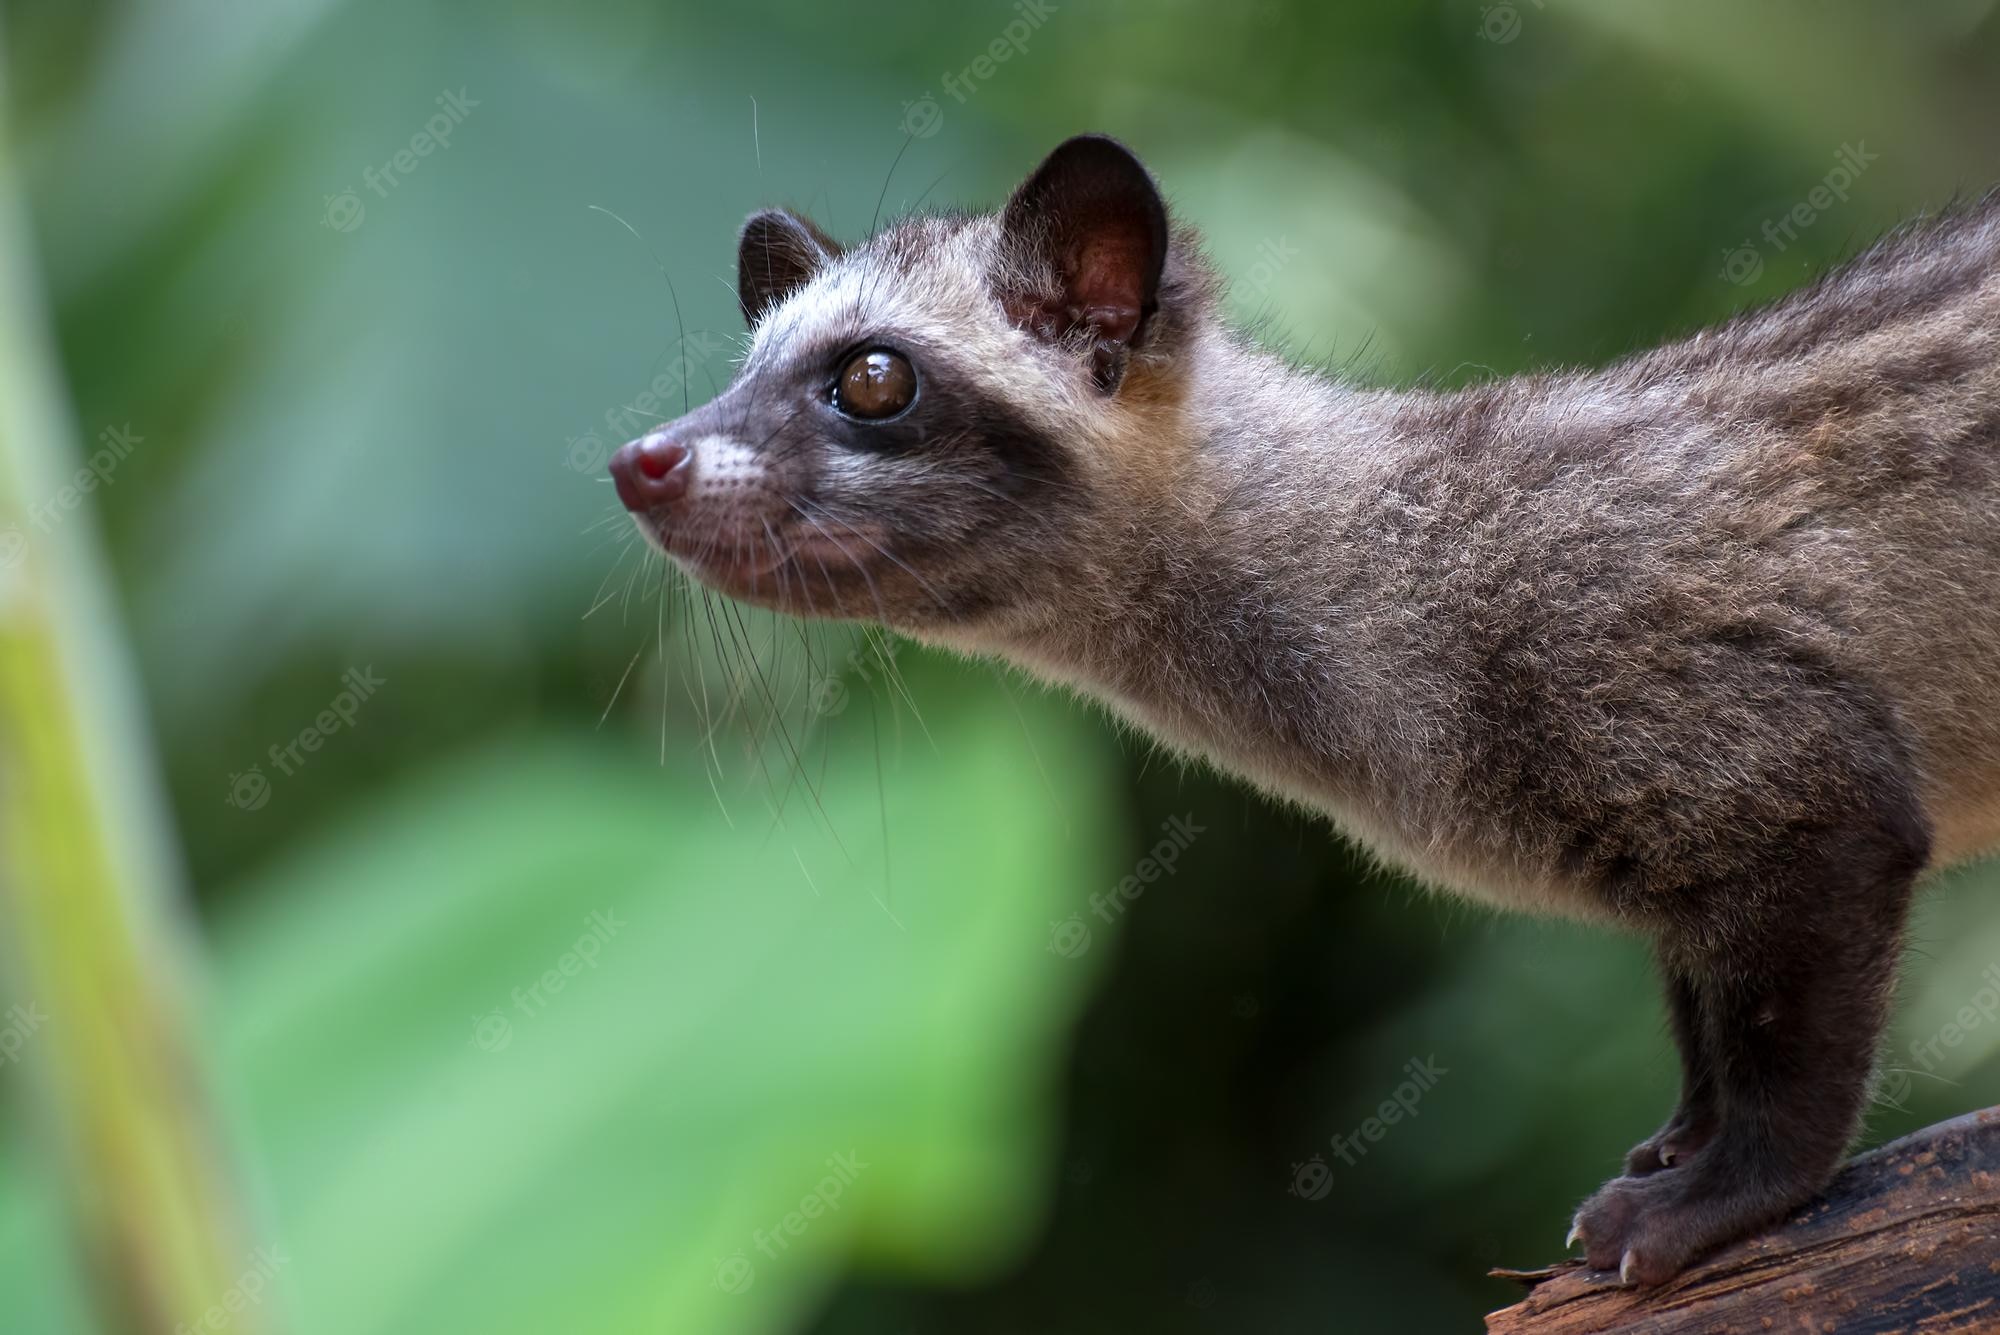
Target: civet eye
875 385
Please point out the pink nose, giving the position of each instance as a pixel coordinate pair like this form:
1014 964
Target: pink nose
650 472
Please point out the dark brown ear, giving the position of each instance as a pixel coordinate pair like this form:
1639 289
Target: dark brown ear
776 253
1091 222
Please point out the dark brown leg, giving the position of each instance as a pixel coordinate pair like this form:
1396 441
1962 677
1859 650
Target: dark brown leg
1786 1010
1694 1120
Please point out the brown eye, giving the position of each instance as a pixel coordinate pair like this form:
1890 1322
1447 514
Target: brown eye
875 385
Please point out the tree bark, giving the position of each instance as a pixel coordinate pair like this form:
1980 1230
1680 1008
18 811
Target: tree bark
1906 1239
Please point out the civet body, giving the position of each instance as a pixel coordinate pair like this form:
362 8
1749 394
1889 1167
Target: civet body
1705 644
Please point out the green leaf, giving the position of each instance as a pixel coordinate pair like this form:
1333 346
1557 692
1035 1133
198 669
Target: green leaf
452 1143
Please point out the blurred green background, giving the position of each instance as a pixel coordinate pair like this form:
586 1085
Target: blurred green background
822 942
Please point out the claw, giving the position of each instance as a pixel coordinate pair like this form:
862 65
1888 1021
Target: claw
1626 1265
1666 1155
1575 1232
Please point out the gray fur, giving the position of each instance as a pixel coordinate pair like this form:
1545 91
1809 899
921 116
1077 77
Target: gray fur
1341 587
1705 643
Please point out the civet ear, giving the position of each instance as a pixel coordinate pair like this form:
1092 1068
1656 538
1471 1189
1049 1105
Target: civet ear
1086 237
776 253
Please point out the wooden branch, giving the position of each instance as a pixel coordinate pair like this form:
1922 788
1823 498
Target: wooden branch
1905 1240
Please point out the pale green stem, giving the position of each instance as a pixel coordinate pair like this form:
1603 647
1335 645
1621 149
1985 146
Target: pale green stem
91 919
